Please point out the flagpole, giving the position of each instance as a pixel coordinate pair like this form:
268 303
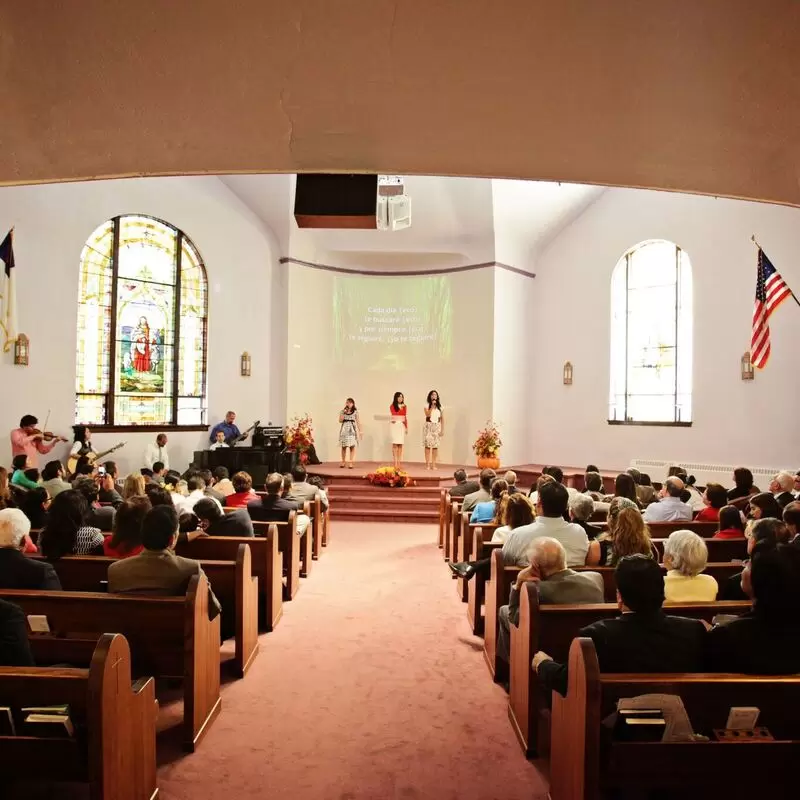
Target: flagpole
794 296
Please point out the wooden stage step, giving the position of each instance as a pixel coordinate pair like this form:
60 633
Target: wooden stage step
383 515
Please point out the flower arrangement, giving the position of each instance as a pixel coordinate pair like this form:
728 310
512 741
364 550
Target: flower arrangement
389 476
299 436
488 443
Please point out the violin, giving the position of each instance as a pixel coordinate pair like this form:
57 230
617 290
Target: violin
48 436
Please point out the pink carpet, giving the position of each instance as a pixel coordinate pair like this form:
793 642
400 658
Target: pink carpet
371 687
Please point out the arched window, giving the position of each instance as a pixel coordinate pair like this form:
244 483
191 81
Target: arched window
142 315
651 336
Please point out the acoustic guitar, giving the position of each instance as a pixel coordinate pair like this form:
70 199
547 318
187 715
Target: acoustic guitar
91 456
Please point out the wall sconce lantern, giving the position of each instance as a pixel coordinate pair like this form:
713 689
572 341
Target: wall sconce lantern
748 372
567 373
22 350
246 365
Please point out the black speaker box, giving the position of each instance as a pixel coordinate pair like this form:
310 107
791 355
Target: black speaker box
336 201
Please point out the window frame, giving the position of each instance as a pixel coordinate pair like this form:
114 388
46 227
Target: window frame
110 349
680 275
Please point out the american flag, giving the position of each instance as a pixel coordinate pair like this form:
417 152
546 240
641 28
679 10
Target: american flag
771 291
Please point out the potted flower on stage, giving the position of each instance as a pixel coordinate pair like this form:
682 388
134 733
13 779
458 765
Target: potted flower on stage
487 446
389 476
299 436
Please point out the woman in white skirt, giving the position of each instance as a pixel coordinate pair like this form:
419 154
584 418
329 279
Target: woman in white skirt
398 427
349 432
433 430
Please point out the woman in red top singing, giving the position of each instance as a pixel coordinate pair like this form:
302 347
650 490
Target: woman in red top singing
398 426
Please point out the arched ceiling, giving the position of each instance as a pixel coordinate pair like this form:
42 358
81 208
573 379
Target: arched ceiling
687 95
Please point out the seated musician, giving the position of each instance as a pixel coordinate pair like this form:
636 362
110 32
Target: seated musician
17 571
230 430
157 570
767 640
643 638
28 440
82 444
215 522
557 584
219 441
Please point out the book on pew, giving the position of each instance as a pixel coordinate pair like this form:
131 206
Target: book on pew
643 714
48 726
60 710
7 727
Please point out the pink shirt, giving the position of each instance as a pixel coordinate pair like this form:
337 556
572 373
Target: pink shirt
21 443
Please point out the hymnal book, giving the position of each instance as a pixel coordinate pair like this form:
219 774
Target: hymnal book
61 710
675 726
7 727
50 726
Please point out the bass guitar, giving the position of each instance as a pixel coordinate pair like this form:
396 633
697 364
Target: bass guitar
242 436
91 456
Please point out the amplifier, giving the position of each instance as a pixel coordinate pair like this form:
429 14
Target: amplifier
268 437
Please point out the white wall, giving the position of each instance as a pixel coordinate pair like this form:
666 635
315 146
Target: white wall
754 423
53 222
513 363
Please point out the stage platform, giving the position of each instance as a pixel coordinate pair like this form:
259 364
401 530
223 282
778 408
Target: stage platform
354 498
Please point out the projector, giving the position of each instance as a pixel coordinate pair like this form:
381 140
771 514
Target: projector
393 213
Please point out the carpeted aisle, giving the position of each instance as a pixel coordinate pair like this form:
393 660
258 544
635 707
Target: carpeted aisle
371 687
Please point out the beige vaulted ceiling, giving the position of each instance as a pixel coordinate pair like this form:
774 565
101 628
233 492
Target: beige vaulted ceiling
689 95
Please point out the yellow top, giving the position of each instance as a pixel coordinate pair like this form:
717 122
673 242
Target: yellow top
683 589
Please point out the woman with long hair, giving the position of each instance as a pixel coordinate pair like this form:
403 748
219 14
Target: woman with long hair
398 425
349 431
625 486
764 505
126 538
82 441
133 486
516 511
434 428
34 505
627 535
489 511
743 484
731 525
66 532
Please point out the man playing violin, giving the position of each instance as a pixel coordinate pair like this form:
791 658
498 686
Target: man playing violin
28 439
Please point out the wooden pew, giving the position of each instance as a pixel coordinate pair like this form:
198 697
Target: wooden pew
295 550
585 762
552 628
719 550
444 496
315 514
498 588
480 536
169 637
720 573
231 581
455 528
115 749
267 564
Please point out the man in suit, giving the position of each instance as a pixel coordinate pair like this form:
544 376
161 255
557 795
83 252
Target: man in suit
557 584
16 570
215 522
273 507
483 493
463 487
511 479
765 641
781 486
302 490
15 650
643 638
157 570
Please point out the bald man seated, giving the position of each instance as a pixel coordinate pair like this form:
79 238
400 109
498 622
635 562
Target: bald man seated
557 584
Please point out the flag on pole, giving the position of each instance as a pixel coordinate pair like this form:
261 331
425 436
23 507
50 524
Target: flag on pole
8 293
771 291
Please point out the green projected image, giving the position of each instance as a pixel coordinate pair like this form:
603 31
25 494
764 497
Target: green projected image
392 323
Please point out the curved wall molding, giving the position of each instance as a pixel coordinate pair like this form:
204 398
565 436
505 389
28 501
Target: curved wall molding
401 273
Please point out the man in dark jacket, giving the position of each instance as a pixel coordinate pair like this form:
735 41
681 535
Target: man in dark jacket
463 487
643 638
273 507
215 522
15 651
16 570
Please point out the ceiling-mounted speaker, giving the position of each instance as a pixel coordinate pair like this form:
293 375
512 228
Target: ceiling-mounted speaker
336 201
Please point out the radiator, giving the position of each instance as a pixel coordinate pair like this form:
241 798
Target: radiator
705 473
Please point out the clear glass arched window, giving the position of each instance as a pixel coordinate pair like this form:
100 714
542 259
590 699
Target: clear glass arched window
142 320
651 336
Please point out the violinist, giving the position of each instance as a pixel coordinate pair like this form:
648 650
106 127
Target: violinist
30 441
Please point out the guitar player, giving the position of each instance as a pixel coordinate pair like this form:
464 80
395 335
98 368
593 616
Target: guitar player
230 429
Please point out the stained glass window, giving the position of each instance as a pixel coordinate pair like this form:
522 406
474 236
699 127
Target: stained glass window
142 317
651 336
